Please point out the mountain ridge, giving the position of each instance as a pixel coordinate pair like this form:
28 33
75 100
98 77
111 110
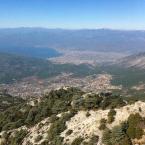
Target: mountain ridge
133 61
100 39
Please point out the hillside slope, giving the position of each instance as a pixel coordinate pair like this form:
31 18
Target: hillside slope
6 101
15 67
70 116
134 61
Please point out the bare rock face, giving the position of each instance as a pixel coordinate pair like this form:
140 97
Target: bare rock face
87 126
81 125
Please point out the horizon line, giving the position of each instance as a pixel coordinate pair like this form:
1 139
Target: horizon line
59 28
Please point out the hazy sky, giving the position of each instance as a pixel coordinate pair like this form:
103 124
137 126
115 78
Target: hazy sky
116 14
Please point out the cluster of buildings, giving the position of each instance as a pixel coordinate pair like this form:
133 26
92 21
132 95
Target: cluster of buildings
34 87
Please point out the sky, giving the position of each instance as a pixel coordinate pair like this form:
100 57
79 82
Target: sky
73 14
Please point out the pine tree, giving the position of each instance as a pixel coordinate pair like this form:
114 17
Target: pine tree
106 137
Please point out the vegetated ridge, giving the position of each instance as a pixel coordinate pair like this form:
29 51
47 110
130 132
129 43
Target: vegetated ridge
73 117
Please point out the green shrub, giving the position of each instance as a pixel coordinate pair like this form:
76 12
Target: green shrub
126 141
53 118
112 112
103 120
111 115
110 119
102 124
88 114
140 110
116 136
59 126
106 138
38 138
77 141
69 132
134 129
139 132
18 137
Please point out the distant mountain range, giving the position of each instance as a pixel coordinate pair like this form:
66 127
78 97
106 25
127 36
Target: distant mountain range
85 39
